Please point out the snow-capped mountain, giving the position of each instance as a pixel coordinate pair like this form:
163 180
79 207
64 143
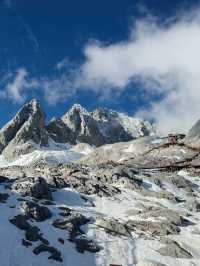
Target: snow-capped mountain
27 134
99 127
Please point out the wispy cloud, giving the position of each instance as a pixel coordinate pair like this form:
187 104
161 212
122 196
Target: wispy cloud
18 86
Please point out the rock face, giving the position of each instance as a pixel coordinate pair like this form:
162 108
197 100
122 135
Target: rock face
98 127
193 137
60 132
25 130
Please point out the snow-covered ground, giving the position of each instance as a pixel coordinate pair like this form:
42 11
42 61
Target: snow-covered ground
119 250
54 154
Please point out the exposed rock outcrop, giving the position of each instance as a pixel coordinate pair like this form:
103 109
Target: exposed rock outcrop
192 139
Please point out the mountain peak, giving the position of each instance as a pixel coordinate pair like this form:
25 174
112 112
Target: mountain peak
27 126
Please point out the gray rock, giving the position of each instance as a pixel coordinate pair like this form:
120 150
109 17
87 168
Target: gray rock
173 249
113 227
153 228
166 215
72 223
192 205
192 139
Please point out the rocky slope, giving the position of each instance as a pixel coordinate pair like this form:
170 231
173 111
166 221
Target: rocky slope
129 213
133 203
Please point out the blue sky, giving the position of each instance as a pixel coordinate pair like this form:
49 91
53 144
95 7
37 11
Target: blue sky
46 45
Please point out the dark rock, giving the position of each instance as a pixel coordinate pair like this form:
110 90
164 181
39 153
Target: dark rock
3 197
60 132
84 244
21 222
3 179
26 243
55 254
35 211
33 233
40 189
61 240
33 187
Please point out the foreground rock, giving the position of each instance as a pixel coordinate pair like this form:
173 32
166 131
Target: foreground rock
55 254
34 187
35 211
173 249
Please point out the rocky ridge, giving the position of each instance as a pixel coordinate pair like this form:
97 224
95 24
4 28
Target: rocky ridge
28 132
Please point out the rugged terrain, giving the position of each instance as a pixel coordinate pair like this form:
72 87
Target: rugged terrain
72 193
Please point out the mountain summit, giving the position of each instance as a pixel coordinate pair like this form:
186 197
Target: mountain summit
102 126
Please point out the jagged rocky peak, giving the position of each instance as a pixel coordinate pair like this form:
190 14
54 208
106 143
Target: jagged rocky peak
75 117
83 126
27 127
102 126
193 137
133 127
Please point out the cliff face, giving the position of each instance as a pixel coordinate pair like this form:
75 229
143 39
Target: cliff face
25 130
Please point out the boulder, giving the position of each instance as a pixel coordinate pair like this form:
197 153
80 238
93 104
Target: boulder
55 254
173 249
35 211
34 187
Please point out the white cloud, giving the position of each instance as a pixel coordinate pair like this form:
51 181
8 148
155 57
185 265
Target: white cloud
18 86
58 89
163 58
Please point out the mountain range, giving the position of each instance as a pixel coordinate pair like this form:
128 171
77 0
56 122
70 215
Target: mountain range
27 131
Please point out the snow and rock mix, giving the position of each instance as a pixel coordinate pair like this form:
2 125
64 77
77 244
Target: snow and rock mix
65 201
